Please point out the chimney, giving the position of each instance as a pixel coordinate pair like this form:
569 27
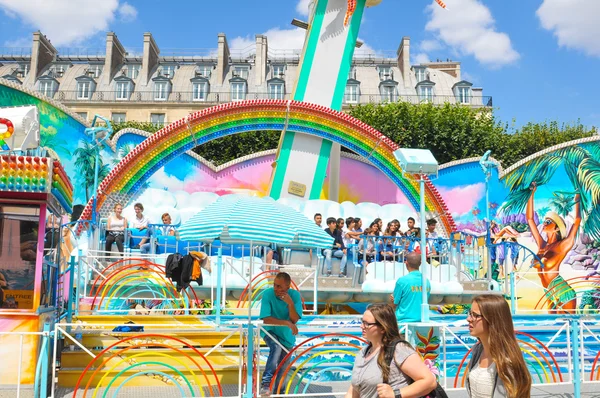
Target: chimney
115 57
404 60
222 57
42 54
260 62
149 59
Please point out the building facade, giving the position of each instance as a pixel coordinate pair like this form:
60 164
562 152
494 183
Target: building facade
160 88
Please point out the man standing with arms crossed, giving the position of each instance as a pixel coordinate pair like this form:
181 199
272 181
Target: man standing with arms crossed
281 307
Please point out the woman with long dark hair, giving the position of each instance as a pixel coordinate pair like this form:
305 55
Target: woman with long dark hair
496 368
373 376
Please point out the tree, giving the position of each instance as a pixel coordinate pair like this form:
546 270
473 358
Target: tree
562 203
85 161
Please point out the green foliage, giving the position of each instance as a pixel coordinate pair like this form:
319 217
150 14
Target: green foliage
451 132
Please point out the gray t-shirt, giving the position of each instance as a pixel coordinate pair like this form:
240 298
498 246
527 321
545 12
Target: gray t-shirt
366 373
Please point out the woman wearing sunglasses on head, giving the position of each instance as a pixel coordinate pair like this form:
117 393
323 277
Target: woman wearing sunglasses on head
373 376
496 368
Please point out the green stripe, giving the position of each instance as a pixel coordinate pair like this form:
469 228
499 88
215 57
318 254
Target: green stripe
310 49
282 163
321 171
342 79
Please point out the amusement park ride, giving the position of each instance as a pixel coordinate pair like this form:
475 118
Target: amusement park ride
86 319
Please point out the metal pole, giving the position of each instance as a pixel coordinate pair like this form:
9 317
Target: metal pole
425 304
250 362
576 360
217 303
94 203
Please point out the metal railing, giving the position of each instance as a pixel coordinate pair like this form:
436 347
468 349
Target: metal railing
219 97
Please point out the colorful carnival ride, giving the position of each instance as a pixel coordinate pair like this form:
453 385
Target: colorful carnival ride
81 321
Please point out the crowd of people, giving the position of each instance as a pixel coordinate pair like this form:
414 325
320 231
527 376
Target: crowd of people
374 242
388 366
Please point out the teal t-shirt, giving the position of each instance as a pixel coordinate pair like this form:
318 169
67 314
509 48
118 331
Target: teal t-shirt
408 297
272 306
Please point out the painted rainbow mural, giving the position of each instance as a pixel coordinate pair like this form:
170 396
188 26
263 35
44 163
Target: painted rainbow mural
128 177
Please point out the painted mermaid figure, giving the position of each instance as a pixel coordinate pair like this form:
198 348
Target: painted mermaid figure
552 252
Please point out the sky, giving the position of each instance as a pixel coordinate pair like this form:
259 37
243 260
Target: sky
538 59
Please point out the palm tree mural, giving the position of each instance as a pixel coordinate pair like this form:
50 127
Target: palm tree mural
562 203
582 165
49 139
85 161
121 153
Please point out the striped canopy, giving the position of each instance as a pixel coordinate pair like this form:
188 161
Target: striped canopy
240 219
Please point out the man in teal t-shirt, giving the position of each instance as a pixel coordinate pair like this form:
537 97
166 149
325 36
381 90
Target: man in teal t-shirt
408 293
281 307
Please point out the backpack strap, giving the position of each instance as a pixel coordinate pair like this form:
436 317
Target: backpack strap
389 353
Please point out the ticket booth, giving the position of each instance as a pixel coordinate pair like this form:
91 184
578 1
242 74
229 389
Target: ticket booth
35 194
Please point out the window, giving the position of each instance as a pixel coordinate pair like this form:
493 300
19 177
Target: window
352 73
278 71
118 117
420 74
161 90
238 91
276 90
167 71
132 71
47 87
158 119
59 70
123 90
241 72
385 73
426 93
352 94
388 93
82 115
200 91
464 95
204 71
12 78
23 70
84 90
94 71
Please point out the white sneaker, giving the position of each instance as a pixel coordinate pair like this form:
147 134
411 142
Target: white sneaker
265 392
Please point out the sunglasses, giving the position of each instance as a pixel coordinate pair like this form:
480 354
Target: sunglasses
548 222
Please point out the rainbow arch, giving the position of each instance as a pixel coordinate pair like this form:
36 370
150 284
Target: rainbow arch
128 177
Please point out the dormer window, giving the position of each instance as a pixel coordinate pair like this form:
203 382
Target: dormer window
241 71
132 70
388 91
204 71
94 71
420 73
59 70
238 88
352 93
278 71
462 92
385 72
162 88
47 85
85 87
22 71
352 73
123 88
200 88
12 78
276 88
425 90
167 71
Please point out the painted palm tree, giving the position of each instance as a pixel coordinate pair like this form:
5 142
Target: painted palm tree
562 203
85 161
581 163
122 152
50 139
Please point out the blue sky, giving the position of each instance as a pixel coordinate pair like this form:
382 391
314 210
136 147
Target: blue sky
537 58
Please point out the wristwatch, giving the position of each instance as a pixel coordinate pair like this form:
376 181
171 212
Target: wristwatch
398 394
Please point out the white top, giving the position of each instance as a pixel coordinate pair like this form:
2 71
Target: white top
347 241
482 381
140 222
116 224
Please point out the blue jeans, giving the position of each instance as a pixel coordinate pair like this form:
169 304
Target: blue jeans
276 355
145 248
338 253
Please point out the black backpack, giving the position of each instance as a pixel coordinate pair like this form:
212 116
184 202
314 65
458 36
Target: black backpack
438 392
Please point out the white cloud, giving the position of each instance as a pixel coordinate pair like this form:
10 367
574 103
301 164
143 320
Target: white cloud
302 7
67 22
279 39
420 58
573 22
430 45
19 42
468 27
127 12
